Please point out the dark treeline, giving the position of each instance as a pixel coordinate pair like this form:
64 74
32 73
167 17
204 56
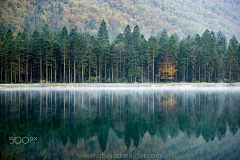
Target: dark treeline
60 56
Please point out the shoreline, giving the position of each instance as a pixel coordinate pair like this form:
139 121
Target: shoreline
237 84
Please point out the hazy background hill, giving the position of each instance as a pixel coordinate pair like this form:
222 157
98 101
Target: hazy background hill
183 17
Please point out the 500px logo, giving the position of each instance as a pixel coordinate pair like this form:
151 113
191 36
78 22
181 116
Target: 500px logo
19 140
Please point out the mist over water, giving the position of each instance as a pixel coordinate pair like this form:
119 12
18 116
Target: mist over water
189 122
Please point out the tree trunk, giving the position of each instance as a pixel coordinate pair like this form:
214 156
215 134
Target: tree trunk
55 72
135 79
193 78
82 74
19 71
51 72
74 72
166 68
99 71
215 75
89 73
230 72
5 75
46 72
105 74
187 70
27 69
64 68
124 67
96 72
40 68
11 72
69 76
142 72
1 74
148 72
205 74
199 74
31 75
120 66
153 70
79 75
112 73
15 76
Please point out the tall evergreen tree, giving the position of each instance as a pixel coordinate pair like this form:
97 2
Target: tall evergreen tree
221 49
238 61
27 51
173 49
64 50
128 51
104 49
153 53
82 56
144 51
234 43
40 54
230 61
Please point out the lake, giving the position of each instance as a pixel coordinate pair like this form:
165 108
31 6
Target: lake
120 123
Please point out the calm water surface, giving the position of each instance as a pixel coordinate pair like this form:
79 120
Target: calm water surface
176 123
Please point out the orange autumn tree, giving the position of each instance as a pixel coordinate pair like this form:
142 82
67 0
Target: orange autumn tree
167 70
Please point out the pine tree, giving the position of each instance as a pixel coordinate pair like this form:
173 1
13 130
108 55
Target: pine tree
27 52
173 49
153 52
234 43
193 58
214 55
238 61
103 41
56 53
64 50
198 42
48 58
82 56
137 52
143 54
34 65
91 56
230 60
40 54
73 40
119 47
165 55
206 37
182 59
128 52
9 53
19 53
221 49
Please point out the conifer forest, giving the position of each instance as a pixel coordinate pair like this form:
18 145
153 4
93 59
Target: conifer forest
76 57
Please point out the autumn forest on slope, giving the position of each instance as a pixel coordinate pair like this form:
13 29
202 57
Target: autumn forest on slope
184 17
76 56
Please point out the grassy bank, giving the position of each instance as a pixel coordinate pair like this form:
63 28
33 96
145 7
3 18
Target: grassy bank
119 85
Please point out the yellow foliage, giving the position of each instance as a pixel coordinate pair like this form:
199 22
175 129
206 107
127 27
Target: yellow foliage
167 70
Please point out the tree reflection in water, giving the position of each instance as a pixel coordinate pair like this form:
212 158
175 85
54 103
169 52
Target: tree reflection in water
67 122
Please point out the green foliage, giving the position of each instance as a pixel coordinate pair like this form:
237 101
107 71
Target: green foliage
88 15
60 56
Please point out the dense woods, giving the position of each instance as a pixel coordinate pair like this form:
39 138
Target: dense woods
184 17
75 56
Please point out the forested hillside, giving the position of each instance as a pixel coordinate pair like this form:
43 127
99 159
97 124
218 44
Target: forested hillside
73 56
183 17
